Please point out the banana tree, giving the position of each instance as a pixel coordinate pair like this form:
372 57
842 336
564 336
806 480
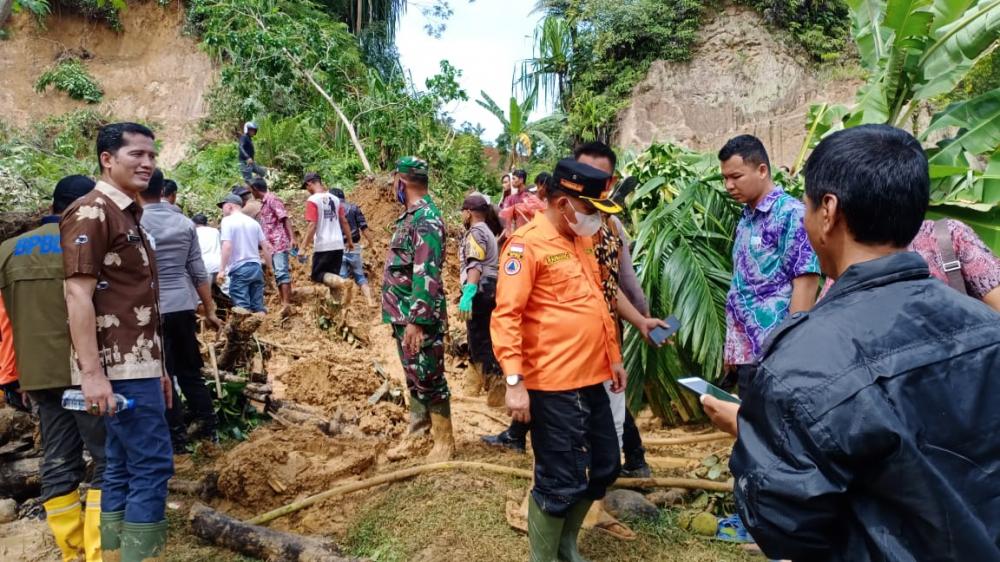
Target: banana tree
914 51
683 220
520 135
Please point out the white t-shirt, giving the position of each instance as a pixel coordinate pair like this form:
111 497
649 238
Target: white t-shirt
211 247
246 236
325 210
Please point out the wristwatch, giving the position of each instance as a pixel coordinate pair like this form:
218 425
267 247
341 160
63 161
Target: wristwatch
513 380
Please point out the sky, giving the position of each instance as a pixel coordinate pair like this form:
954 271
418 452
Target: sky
485 39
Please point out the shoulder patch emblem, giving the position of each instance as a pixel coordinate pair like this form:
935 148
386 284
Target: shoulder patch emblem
512 267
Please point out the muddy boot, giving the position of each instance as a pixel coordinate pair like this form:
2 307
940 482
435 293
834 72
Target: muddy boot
420 422
496 391
571 531
111 535
144 542
444 438
544 533
474 379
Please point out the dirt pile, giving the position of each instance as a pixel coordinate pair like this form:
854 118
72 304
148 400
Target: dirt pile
151 71
277 466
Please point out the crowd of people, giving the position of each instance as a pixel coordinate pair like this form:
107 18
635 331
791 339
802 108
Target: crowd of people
866 415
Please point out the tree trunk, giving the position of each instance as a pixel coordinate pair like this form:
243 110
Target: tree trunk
329 99
239 348
6 6
261 542
21 479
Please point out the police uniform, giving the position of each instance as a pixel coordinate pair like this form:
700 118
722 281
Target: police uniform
552 326
479 251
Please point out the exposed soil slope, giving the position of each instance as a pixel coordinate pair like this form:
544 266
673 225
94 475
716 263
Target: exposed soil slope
150 72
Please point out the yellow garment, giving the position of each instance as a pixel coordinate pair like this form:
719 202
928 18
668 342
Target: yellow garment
63 515
92 526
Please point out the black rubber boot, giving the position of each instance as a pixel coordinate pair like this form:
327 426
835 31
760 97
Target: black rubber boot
635 465
506 440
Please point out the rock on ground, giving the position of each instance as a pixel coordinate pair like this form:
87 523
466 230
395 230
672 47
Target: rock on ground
8 510
628 504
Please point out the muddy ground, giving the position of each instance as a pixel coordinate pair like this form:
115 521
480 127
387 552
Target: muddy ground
441 516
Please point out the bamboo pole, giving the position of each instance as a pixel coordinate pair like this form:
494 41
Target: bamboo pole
215 363
688 483
663 442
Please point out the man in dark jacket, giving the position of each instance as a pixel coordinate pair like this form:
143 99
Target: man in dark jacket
869 430
248 166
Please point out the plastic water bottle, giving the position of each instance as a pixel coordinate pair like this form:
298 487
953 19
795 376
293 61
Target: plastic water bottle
72 399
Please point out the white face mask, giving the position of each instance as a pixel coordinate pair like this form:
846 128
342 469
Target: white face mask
585 225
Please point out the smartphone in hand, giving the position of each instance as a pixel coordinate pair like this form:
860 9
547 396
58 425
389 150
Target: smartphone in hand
659 334
700 386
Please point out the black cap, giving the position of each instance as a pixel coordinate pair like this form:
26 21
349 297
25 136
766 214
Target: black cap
586 182
200 219
339 193
475 202
69 189
231 198
240 190
310 177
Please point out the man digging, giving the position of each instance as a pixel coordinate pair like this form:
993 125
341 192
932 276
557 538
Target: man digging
413 302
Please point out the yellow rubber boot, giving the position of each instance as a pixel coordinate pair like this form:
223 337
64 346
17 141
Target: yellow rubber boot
92 526
63 515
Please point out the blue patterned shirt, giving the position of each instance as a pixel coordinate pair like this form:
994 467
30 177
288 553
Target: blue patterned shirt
771 249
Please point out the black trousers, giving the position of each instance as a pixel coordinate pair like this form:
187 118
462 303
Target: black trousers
478 327
631 440
326 262
182 356
64 435
576 447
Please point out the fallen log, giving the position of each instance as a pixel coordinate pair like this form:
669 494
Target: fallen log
261 542
686 440
205 488
239 347
21 479
687 483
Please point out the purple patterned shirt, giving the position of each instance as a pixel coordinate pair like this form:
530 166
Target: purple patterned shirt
771 249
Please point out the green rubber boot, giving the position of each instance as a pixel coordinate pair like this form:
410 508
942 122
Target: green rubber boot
111 535
544 531
420 418
571 530
144 542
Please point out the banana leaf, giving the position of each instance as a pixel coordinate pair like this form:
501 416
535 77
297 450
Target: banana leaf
956 47
978 123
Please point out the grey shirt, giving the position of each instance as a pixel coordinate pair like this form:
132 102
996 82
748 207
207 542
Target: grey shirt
627 279
479 251
178 256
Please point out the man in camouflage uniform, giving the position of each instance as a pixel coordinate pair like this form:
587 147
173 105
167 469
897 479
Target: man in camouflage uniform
413 302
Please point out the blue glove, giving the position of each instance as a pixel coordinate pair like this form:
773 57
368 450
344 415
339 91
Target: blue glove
468 291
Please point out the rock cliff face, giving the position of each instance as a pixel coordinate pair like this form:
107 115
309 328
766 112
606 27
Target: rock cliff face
740 80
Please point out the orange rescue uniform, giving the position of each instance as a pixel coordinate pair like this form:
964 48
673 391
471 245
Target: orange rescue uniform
8 363
551 323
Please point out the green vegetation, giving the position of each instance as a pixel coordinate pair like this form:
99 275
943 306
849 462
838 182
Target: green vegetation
35 159
320 105
70 76
433 518
915 53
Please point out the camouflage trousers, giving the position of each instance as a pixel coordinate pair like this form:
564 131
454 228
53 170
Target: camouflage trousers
424 369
